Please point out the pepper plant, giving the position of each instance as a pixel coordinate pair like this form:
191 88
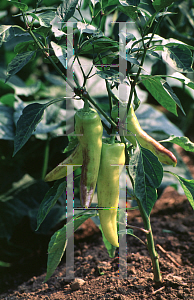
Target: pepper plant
118 43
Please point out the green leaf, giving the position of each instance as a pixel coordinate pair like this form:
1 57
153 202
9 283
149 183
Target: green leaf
157 88
19 61
73 142
147 174
188 187
170 91
43 31
178 56
21 6
66 10
19 202
8 99
50 199
161 4
109 247
129 10
25 46
58 242
34 16
182 141
31 116
98 45
46 17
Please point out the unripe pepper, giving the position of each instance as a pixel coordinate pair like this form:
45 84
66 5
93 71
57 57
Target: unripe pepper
112 157
164 155
88 127
61 170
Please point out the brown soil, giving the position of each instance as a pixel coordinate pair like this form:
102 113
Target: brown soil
96 274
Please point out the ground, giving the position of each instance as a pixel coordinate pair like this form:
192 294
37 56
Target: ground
96 277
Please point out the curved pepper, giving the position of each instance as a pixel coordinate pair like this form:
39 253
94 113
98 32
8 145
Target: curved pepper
61 170
88 127
164 155
108 188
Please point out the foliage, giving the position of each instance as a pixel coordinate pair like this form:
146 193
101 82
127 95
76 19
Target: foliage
156 48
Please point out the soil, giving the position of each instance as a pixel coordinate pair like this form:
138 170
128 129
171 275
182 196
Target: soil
96 274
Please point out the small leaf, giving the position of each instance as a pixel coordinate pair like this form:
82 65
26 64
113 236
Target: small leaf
50 199
109 247
73 142
19 61
182 141
188 187
31 116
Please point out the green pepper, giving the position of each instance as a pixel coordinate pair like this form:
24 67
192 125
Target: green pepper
88 127
61 170
112 156
164 155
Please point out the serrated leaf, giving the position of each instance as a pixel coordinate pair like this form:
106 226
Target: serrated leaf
31 116
182 141
156 87
50 199
147 173
58 242
19 61
161 4
178 56
188 187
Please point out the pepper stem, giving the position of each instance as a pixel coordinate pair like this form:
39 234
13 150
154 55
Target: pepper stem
86 105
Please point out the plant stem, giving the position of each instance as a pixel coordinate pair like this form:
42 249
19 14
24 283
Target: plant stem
150 244
50 59
146 47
